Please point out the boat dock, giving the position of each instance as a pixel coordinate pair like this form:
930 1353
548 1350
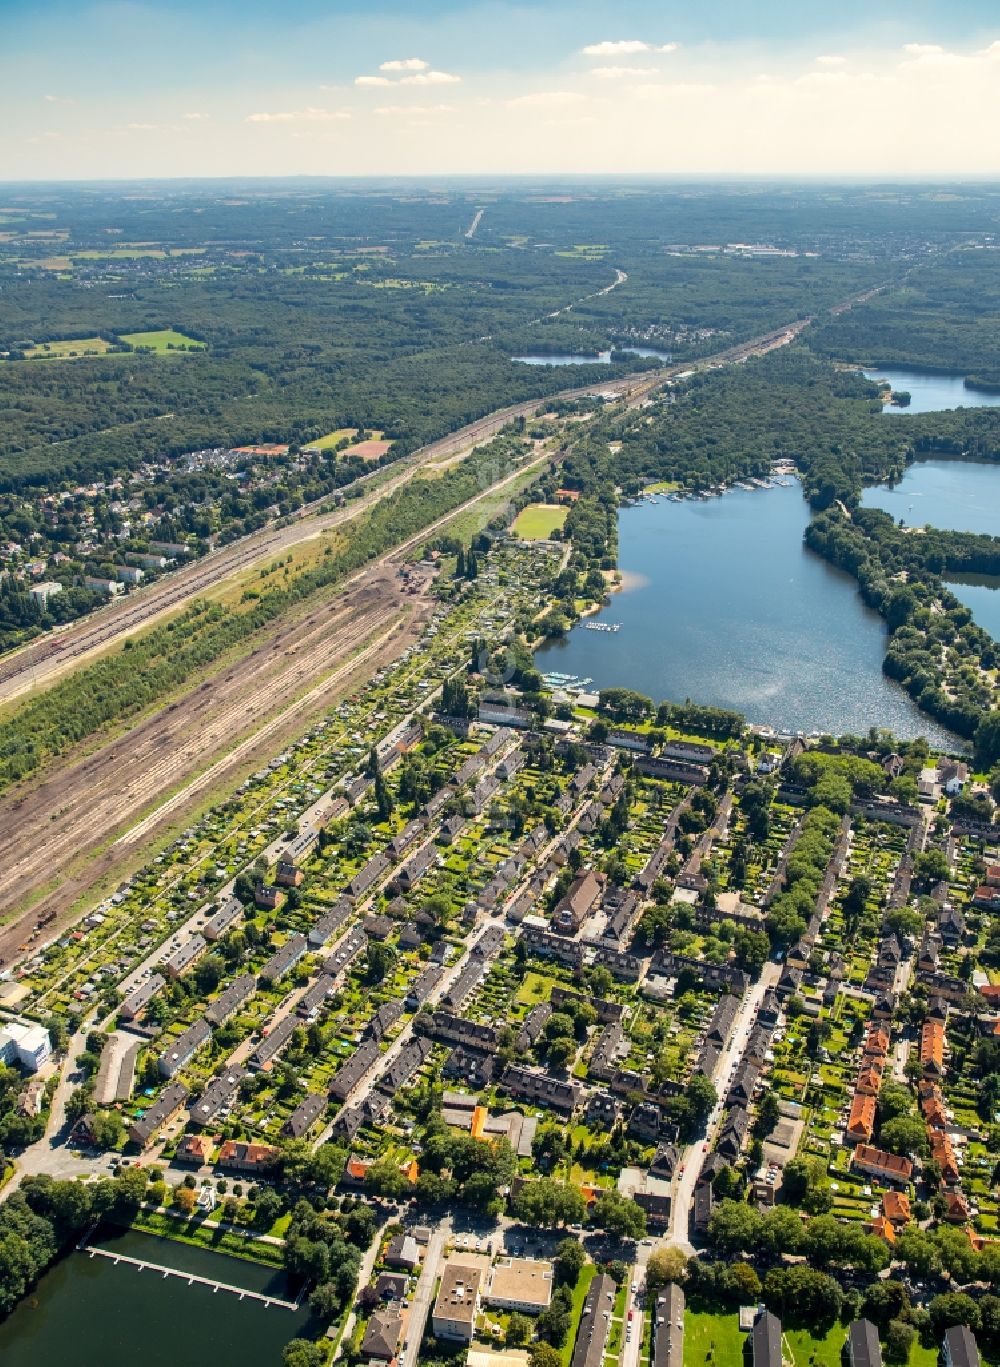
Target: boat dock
602 626
192 1278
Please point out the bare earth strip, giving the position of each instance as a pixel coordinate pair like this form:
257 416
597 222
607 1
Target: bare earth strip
76 826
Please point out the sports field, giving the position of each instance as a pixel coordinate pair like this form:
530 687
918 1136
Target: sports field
538 521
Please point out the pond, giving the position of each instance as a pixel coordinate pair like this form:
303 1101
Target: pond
723 603
931 393
567 358
959 495
92 1312
595 358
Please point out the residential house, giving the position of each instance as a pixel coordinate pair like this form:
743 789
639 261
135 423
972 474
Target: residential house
240 1157
227 1003
382 1336
765 1340
960 1348
166 1107
305 1115
863 1348
595 1322
184 1048
457 1304
887 1167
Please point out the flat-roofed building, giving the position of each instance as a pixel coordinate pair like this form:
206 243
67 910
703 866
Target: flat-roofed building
457 1304
520 1284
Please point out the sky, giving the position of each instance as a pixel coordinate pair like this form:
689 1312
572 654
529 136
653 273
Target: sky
124 89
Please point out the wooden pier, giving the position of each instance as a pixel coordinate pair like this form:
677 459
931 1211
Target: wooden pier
192 1278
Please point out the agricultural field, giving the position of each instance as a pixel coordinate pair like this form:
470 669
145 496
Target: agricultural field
68 350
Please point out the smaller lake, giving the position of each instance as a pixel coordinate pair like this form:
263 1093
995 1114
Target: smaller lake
595 358
957 495
981 595
91 1312
930 393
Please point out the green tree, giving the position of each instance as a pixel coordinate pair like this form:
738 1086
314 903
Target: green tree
618 1215
569 1261
666 1265
519 1330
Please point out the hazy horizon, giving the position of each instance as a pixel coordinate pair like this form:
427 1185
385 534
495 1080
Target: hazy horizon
118 90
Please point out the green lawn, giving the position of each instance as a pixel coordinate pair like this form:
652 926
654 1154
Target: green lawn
538 521
579 1296
715 1338
332 438
165 339
807 1350
537 987
712 1338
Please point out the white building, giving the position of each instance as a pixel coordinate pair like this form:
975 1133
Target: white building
41 593
21 1042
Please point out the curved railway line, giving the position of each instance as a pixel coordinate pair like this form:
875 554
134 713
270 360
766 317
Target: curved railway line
44 659
72 828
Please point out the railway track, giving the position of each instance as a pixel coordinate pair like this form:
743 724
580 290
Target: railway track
41 660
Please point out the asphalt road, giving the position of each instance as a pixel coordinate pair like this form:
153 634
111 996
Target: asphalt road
686 1177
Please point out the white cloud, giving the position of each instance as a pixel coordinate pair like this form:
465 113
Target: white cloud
300 116
146 127
417 110
405 64
431 78
624 47
372 80
56 99
616 73
831 59
196 116
923 49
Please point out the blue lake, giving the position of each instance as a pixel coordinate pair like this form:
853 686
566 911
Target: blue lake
960 495
981 595
91 1312
723 603
930 393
